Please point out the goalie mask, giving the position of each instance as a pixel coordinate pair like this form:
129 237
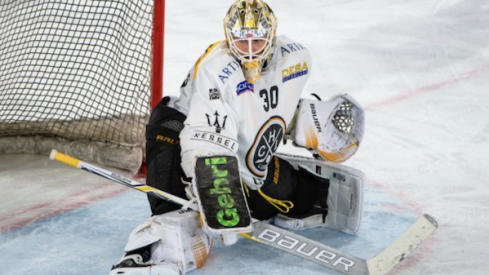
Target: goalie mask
250 28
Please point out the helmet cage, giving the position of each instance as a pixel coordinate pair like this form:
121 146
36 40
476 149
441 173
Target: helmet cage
250 21
251 54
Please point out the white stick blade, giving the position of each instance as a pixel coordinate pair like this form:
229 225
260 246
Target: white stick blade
403 246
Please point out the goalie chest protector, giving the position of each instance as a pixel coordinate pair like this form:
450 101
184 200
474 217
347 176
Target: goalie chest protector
221 196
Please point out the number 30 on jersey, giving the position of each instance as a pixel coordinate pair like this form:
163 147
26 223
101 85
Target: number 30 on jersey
270 98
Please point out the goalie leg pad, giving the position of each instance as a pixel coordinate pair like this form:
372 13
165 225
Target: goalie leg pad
174 239
344 199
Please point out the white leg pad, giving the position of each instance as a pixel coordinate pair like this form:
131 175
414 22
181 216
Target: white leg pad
345 197
345 202
186 243
176 239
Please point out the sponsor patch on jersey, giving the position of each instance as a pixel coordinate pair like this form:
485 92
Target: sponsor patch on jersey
217 121
266 144
290 48
244 87
227 71
214 94
295 71
216 139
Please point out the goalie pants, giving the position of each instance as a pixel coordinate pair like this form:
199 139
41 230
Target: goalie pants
283 182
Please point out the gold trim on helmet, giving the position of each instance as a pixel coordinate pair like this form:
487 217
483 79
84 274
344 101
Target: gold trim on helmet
249 23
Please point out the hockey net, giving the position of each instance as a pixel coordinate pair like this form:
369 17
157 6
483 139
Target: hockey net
76 76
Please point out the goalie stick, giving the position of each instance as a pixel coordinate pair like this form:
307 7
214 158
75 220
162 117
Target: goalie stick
290 242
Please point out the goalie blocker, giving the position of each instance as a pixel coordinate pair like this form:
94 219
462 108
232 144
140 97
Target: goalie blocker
217 187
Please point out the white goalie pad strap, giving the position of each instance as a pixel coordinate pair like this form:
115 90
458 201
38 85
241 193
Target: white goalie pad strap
345 202
147 233
345 195
320 168
141 268
312 221
334 128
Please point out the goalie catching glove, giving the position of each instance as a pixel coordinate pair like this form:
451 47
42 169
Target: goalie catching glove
332 129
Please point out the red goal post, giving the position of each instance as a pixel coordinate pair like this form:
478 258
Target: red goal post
80 76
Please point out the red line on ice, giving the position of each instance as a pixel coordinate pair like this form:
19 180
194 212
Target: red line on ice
72 201
426 89
403 197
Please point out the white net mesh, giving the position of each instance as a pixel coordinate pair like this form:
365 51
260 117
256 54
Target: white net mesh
76 71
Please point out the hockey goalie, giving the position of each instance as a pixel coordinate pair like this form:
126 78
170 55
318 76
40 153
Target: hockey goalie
216 145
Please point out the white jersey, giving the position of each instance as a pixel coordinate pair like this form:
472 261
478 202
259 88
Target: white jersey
226 114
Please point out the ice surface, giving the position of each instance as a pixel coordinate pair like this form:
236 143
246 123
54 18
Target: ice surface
419 67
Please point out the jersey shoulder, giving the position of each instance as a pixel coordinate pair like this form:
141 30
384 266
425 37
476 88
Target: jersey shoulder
287 48
215 58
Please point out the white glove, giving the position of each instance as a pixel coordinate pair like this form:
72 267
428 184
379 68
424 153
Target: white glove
333 129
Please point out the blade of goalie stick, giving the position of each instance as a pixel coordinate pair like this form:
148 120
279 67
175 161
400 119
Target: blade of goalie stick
290 242
397 251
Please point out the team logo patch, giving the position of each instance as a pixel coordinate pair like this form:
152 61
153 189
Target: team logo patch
266 143
219 123
295 71
244 87
214 94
